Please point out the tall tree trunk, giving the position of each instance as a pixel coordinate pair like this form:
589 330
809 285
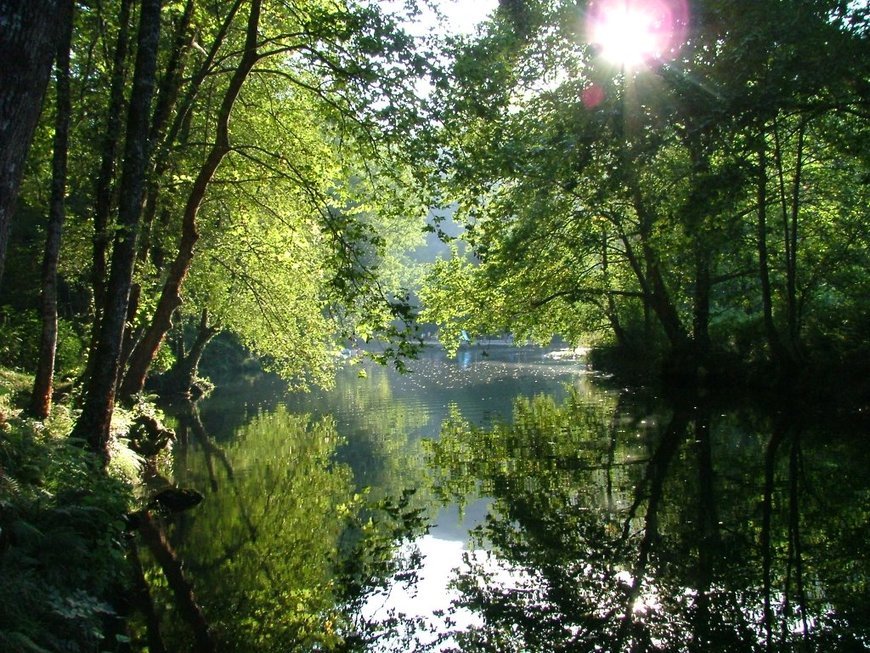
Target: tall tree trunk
792 235
40 402
789 206
95 420
770 330
108 156
170 297
28 36
106 178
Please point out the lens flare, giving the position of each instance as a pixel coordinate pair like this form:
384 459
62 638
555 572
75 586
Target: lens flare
635 33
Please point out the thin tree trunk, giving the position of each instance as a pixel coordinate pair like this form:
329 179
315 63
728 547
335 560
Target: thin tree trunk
183 113
170 297
773 339
28 36
167 95
130 335
701 304
40 402
611 311
791 276
183 374
94 422
789 209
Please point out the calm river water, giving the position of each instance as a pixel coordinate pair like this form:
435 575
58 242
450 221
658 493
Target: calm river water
510 500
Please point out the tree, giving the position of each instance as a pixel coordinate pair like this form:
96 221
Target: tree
95 420
170 299
625 193
328 62
27 47
40 403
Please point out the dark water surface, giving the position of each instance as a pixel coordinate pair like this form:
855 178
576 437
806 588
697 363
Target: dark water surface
512 501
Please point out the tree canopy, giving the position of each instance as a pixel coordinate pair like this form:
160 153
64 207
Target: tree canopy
231 167
709 197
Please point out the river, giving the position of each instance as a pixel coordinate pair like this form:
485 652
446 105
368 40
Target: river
512 500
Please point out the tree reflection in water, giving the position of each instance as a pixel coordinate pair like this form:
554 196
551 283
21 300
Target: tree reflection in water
706 532
285 550
613 522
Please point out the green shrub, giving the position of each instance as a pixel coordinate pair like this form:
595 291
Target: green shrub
61 541
19 342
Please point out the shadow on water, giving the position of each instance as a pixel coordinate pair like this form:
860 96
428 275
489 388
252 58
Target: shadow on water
404 514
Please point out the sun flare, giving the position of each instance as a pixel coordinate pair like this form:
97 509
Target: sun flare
635 33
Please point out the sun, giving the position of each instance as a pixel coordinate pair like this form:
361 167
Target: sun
636 33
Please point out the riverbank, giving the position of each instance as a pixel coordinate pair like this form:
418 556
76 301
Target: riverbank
62 533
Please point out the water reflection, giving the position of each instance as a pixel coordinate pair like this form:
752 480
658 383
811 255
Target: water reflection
711 532
513 504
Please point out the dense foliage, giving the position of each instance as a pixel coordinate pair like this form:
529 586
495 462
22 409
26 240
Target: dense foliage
707 204
62 535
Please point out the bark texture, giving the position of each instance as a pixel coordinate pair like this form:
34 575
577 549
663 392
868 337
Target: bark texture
28 37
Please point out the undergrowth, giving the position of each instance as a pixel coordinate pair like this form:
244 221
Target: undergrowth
61 535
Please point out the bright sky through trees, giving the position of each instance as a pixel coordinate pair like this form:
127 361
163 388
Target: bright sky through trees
462 15
633 33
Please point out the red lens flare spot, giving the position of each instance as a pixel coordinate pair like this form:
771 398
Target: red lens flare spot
592 96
